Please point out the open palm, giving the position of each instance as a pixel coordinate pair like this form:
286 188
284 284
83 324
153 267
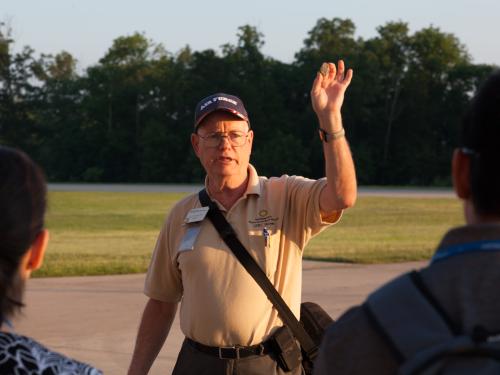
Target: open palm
327 93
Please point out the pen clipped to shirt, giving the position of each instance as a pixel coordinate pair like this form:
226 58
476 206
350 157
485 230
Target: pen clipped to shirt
265 233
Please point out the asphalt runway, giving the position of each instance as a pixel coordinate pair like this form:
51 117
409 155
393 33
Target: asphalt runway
431 192
95 319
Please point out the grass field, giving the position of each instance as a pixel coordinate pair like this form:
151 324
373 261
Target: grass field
382 230
114 233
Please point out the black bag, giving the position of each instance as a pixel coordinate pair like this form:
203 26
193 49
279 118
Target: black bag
314 320
287 351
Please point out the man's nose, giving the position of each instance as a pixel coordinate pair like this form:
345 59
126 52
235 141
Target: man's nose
224 142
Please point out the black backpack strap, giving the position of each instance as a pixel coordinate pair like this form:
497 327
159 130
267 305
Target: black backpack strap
382 332
409 321
418 330
416 278
229 236
417 281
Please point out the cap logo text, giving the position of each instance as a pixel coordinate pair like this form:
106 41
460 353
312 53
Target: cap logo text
217 98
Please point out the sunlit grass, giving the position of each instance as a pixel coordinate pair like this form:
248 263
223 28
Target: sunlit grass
381 229
100 233
96 233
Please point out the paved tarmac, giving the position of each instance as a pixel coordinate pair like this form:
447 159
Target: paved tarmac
420 192
95 319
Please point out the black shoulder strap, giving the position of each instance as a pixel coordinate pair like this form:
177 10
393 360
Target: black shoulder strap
408 320
417 280
230 238
416 327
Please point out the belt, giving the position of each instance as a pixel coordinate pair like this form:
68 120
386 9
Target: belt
232 352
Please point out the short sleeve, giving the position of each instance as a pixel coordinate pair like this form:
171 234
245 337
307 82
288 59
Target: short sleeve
304 213
163 279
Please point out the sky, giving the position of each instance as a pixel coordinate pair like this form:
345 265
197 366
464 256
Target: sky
87 28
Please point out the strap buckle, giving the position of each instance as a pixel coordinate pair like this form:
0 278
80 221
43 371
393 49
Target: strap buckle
261 349
236 350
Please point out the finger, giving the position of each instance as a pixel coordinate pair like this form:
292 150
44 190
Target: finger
316 87
340 75
333 70
348 77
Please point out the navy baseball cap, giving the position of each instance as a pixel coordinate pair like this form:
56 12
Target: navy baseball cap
219 102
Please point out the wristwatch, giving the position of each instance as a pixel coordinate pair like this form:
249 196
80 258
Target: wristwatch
327 137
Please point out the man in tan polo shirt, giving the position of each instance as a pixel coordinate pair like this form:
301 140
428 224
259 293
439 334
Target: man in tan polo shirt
221 305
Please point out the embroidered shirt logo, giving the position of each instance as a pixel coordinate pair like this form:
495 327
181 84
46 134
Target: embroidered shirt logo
263 219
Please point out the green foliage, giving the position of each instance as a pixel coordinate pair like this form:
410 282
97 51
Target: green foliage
129 117
329 40
20 95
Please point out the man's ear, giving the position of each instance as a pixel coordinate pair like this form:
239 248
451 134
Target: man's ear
33 258
250 136
195 142
460 172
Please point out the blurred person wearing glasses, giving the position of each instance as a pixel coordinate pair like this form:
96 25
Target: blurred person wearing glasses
225 316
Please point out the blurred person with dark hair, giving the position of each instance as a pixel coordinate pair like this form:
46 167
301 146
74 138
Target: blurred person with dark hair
460 284
23 240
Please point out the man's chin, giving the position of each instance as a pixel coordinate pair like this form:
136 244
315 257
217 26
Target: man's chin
228 170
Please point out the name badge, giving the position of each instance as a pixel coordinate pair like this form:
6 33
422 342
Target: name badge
189 238
196 215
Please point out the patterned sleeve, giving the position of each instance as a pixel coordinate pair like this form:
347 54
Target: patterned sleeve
22 355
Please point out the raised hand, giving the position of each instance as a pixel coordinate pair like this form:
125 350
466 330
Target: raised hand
327 93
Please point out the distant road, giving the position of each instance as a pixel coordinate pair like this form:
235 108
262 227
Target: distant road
128 188
191 188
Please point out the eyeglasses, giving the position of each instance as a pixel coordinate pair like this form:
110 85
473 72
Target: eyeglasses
235 138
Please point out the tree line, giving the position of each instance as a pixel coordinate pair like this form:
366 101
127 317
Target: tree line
128 118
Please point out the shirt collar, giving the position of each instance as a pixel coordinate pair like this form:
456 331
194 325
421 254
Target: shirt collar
470 233
253 181
253 186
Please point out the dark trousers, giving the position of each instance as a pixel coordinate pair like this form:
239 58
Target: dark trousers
193 362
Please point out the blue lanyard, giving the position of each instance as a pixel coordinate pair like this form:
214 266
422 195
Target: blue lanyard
483 246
